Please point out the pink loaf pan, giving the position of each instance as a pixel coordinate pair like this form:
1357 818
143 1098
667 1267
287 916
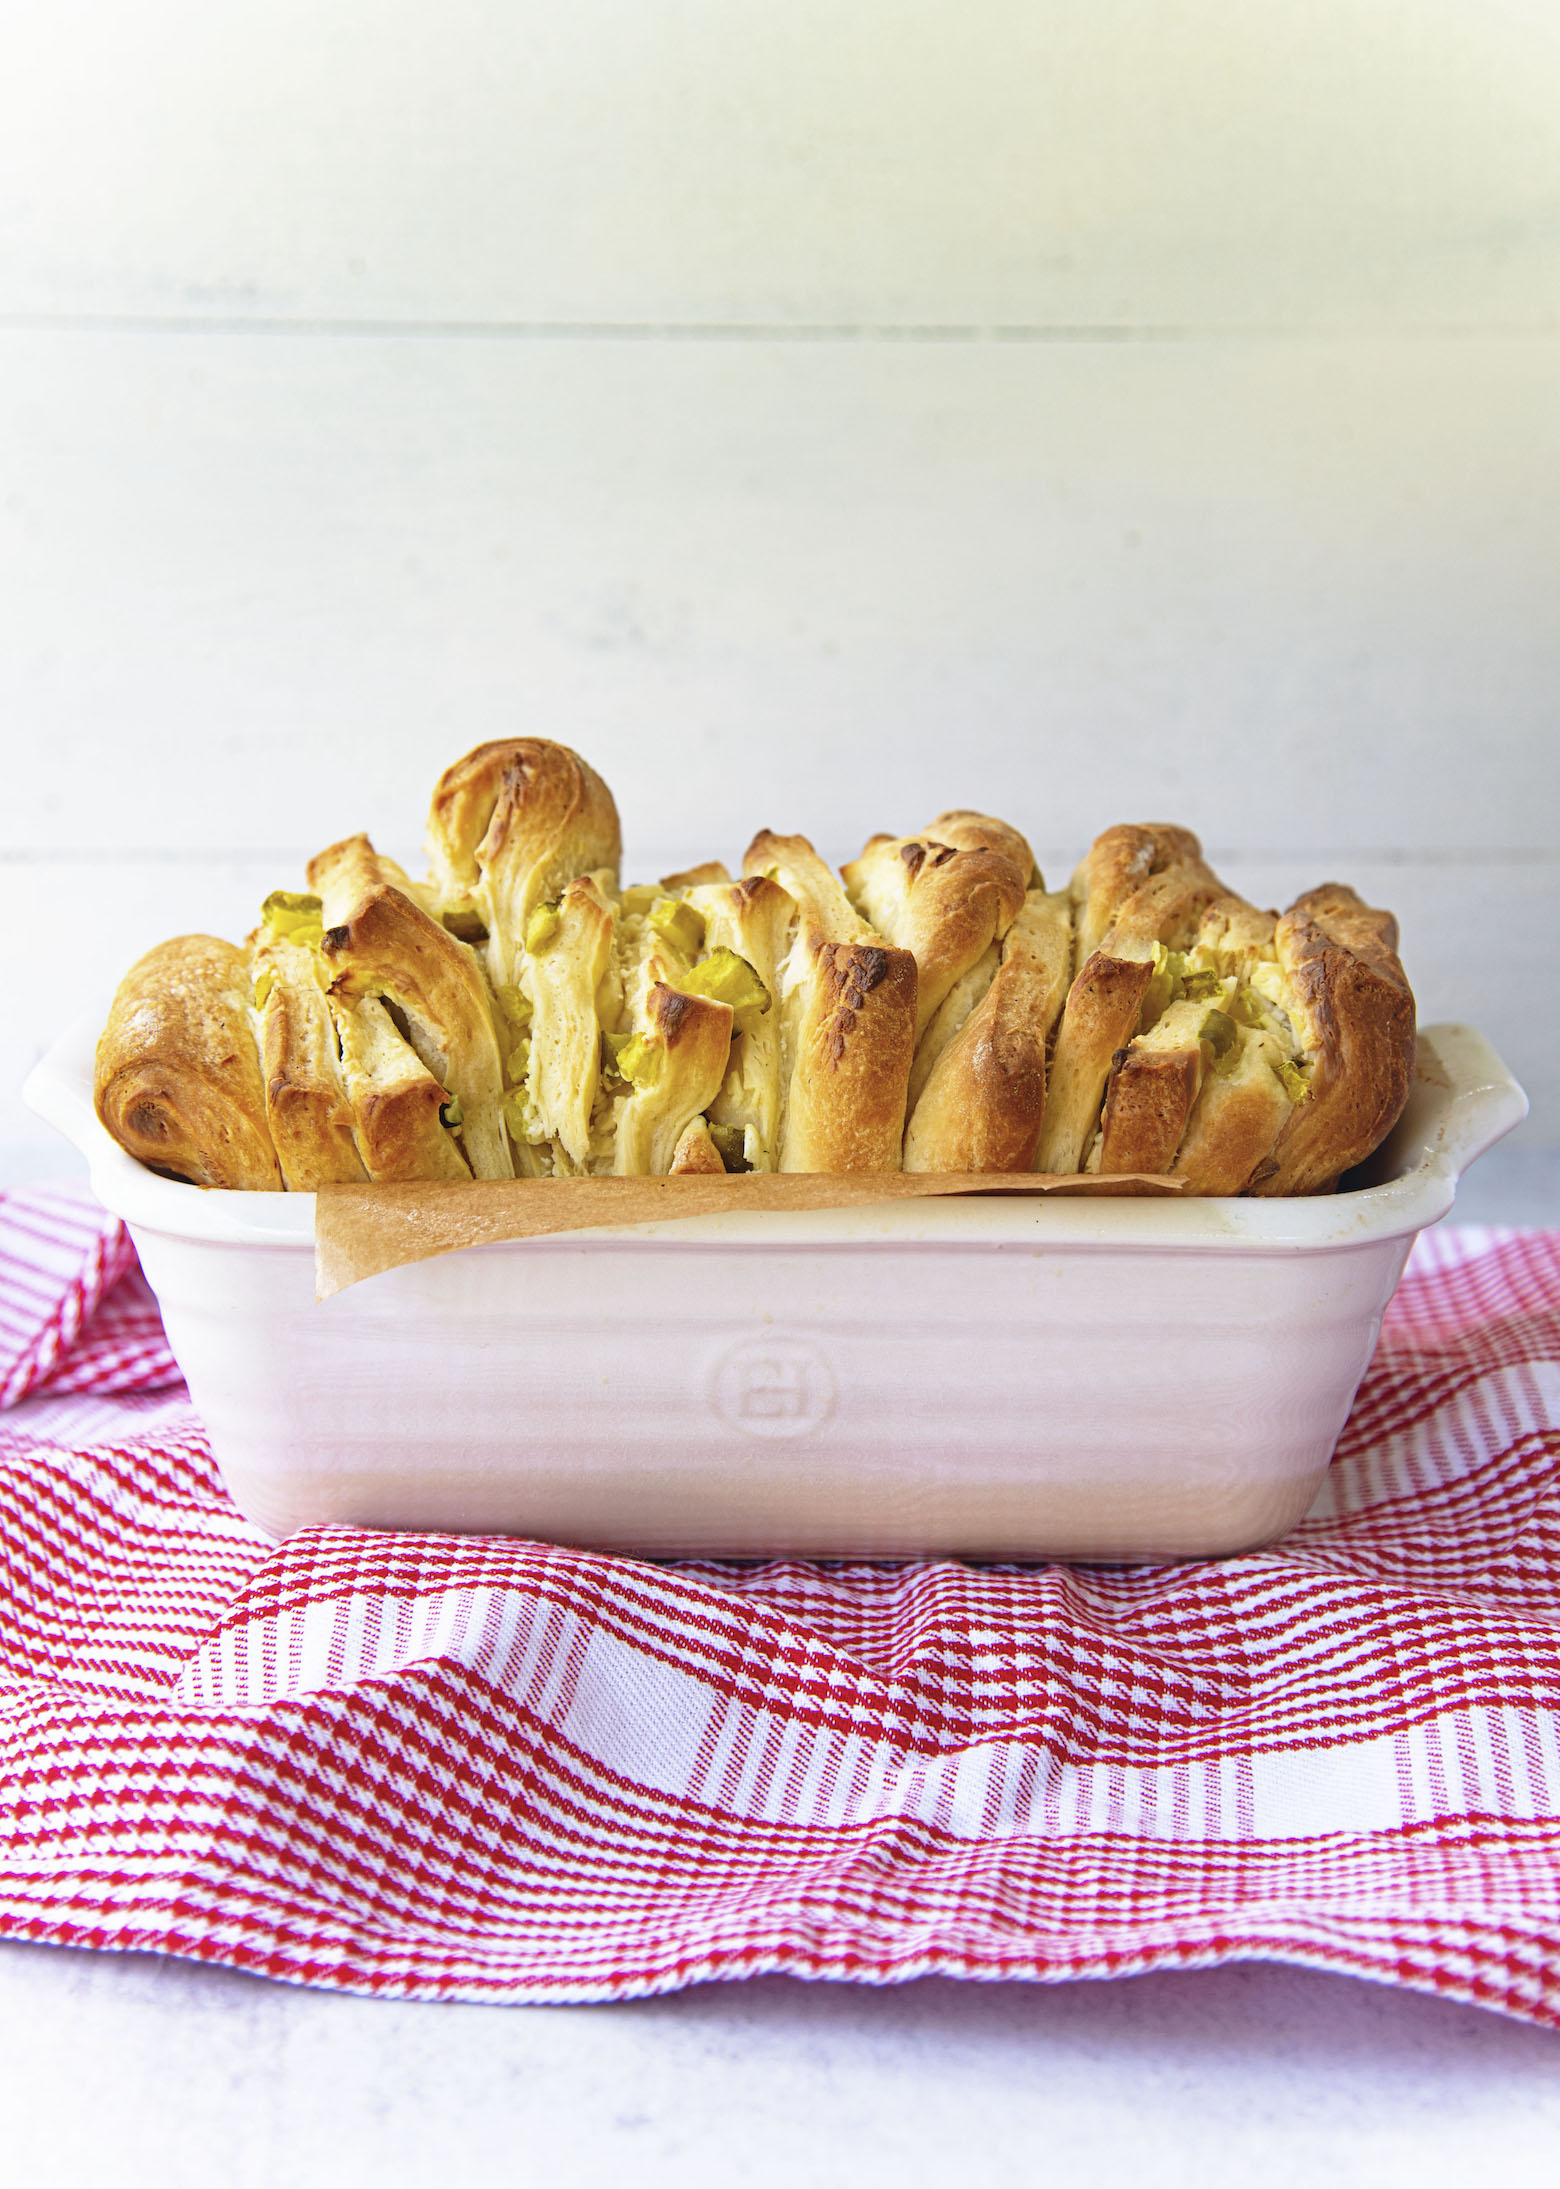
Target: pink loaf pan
1025 1379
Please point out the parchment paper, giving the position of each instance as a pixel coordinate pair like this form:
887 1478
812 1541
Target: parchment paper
360 1230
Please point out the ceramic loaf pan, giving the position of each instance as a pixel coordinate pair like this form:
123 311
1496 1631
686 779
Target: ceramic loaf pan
1016 1379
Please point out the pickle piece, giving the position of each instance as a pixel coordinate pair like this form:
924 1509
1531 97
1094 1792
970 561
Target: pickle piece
1166 986
514 1003
726 978
519 1060
1246 1007
542 926
263 987
731 1146
680 924
1292 1080
451 1114
293 916
639 897
512 1109
1218 1030
639 1062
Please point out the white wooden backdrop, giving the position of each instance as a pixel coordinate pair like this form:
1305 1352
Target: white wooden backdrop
819 411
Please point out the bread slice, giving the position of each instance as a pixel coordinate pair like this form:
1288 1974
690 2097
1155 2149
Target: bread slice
978 1089
1340 984
847 1025
177 1076
754 921
307 1106
508 827
945 905
386 948
1117 865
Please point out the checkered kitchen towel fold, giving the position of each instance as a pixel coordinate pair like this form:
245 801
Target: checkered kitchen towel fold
485 1769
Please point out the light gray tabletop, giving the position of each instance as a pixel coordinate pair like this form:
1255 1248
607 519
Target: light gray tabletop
129 2069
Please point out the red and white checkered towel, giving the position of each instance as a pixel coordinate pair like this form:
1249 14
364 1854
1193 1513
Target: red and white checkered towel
485 1769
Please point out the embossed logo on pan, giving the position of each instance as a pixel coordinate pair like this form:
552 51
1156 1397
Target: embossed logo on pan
773 1387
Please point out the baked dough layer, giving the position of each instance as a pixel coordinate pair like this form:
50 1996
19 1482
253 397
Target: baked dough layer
933 1007
177 1079
1352 1008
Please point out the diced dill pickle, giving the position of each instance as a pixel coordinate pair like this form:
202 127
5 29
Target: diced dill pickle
726 978
513 1111
284 903
1218 1030
1200 984
514 1003
464 922
731 1146
1164 986
679 924
541 927
1292 1080
640 1063
519 1060
263 987
451 1114
293 917
639 897
1245 1007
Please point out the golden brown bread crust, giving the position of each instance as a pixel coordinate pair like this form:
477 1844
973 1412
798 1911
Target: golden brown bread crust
1237 1118
697 1155
703 876
508 826
946 906
177 1078
1118 863
978 1084
1235 933
848 1024
984 1103
1147 1102
1100 1017
1242 1052
963 999
307 1107
818 894
690 1037
1218 1116
1353 1012
966 830
389 948
396 1101
1168 909
342 874
850 1015
1138 888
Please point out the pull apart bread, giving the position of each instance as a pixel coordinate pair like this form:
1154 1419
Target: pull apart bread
520 1013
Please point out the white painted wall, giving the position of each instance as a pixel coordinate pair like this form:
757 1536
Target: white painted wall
820 414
